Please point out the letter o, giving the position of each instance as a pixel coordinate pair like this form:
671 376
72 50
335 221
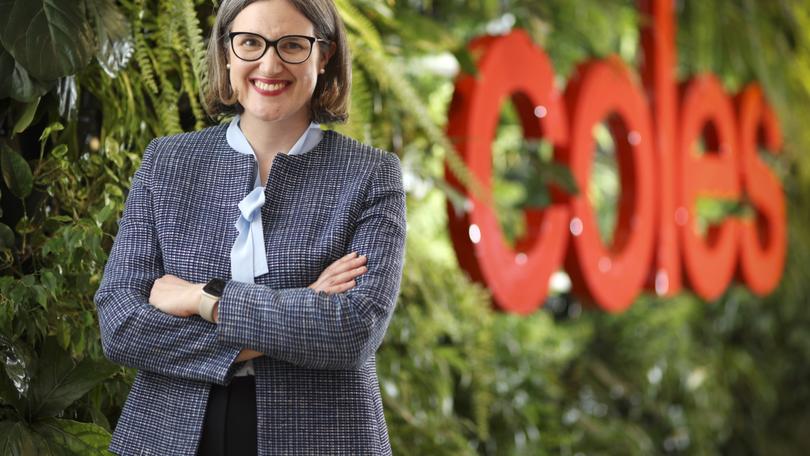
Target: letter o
611 275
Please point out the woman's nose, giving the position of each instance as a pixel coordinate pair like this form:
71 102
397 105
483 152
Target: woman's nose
271 62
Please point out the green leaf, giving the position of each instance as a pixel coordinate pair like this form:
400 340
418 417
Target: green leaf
27 116
49 281
50 38
16 439
5 5
16 172
10 395
25 89
105 213
74 437
14 379
52 128
6 237
6 72
113 34
59 382
60 151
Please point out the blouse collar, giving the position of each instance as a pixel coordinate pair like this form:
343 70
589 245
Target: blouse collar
308 140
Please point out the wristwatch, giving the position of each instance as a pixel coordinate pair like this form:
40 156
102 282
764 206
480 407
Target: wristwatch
211 293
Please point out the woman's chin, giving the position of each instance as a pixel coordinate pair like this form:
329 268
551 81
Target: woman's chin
274 116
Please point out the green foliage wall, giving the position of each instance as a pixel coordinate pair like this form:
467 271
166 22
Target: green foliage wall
668 376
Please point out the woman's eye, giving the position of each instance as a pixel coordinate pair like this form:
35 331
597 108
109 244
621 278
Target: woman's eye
292 46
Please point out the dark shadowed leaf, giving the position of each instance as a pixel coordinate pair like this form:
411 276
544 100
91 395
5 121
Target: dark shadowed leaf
5 5
25 89
15 439
18 439
50 38
16 172
59 382
6 72
14 379
6 237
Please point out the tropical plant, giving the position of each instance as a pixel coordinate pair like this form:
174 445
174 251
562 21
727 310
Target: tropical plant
36 391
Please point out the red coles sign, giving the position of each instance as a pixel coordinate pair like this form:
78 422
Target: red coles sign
655 127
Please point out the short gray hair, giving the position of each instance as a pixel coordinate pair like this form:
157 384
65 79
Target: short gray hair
331 96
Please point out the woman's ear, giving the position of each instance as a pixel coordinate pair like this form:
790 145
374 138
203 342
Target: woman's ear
328 55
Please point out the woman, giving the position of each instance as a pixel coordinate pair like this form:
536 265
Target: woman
257 264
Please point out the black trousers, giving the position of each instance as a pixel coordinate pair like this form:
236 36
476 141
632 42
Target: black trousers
230 420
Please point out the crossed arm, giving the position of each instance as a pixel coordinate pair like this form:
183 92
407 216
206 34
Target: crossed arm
181 298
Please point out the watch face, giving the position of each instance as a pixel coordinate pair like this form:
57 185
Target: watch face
214 287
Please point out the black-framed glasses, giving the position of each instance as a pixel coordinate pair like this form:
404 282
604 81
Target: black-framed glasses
289 48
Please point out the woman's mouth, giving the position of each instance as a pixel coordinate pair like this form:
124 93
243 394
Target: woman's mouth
270 87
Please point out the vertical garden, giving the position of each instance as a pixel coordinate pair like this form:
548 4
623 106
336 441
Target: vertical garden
85 84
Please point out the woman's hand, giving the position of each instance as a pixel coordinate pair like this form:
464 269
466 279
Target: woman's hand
176 296
339 276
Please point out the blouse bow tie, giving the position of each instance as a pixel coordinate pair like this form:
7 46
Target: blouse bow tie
248 251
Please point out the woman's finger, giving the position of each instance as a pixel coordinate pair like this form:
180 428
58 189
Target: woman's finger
337 263
345 268
348 275
342 266
346 286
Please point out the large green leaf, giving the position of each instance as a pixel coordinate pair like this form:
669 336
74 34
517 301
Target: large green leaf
5 5
14 378
27 116
74 437
50 38
16 172
59 381
15 81
17 439
6 72
114 36
10 395
13 439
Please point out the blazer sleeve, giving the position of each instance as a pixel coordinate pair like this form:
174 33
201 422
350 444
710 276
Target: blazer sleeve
330 331
133 332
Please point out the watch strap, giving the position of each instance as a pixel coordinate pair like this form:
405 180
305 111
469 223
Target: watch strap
206 307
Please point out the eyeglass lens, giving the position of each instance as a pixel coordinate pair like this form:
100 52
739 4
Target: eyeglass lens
291 49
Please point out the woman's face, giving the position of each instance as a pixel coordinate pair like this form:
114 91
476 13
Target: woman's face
269 89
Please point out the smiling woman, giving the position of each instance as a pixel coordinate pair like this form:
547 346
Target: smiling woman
258 263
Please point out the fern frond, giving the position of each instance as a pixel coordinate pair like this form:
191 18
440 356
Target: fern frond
142 49
191 89
195 42
360 108
167 109
356 22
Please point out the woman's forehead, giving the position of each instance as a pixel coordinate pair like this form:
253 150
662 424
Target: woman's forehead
272 18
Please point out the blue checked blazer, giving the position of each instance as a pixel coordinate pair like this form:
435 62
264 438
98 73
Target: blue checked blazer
316 386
